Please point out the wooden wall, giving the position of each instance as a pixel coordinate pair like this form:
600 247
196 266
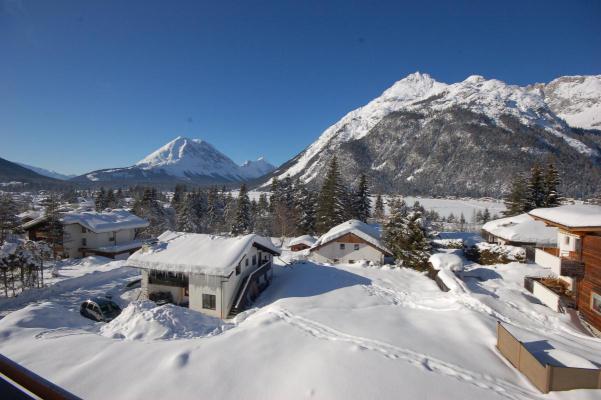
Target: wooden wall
591 255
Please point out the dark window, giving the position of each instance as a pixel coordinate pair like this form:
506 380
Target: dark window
596 302
208 301
342 246
238 269
254 259
357 246
246 262
112 237
84 242
83 230
351 261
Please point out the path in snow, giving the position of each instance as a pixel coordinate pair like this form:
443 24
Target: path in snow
483 381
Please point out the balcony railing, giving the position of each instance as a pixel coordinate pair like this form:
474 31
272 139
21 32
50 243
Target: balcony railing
565 265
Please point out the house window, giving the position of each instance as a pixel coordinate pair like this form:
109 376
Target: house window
187 291
112 237
351 261
596 302
254 259
567 240
356 246
83 229
208 301
238 269
342 246
246 262
84 242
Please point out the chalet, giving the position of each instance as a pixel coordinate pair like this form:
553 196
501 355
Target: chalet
521 230
111 233
301 243
577 257
350 242
216 275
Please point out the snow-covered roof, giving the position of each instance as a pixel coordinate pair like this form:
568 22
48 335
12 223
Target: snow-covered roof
571 216
305 239
198 253
121 247
105 221
523 229
356 227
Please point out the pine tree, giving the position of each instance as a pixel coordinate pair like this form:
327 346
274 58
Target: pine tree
242 221
188 214
55 227
149 208
8 215
551 187
110 200
179 195
263 216
517 199
100 200
361 200
331 200
405 234
485 216
536 189
305 203
462 222
379 209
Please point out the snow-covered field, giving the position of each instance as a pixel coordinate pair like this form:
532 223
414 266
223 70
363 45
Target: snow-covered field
444 207
319 331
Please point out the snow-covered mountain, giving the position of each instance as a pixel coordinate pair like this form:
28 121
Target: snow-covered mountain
183 159
576 99
48 173
469 137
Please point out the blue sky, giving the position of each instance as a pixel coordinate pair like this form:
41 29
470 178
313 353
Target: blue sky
86 85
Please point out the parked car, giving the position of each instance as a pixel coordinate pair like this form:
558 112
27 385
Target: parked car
100 309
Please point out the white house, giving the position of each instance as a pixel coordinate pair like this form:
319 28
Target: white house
111 233
216 275
350 242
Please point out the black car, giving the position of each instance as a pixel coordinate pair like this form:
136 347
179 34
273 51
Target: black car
100 309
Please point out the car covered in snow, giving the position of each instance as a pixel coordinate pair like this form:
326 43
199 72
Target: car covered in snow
100 309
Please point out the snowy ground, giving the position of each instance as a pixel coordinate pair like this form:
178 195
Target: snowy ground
344 332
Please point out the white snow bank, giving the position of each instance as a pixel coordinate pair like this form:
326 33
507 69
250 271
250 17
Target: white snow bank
144 320
446 261
198 253
512 253
572 216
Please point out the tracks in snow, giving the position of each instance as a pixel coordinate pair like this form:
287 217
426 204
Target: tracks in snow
422 361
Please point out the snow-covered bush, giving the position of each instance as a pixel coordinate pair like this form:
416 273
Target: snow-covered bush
491 253
448 243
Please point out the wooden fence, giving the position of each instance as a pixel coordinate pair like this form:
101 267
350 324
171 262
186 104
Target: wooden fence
543 376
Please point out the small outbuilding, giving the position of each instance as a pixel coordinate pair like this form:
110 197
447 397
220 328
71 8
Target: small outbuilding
350 242
301 243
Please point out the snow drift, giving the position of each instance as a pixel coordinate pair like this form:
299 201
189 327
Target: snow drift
144 320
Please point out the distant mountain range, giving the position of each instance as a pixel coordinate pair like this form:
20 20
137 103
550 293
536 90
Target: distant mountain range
468 138
13 172
48 173
182 160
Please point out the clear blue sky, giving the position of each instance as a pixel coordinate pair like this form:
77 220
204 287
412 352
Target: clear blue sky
96 84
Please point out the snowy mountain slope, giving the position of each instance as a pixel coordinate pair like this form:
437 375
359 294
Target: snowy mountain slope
459 112
48 173
576 99
183 159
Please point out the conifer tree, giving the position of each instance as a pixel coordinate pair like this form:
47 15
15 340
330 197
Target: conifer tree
331 200
551 186
188 214
485 216
100 200
110 200
149 208
379 209
516 201
536 189
361 200
8 215
305 203
242 221
179 194
55 227
405 234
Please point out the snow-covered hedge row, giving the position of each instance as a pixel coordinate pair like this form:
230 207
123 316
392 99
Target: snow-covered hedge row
490 253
